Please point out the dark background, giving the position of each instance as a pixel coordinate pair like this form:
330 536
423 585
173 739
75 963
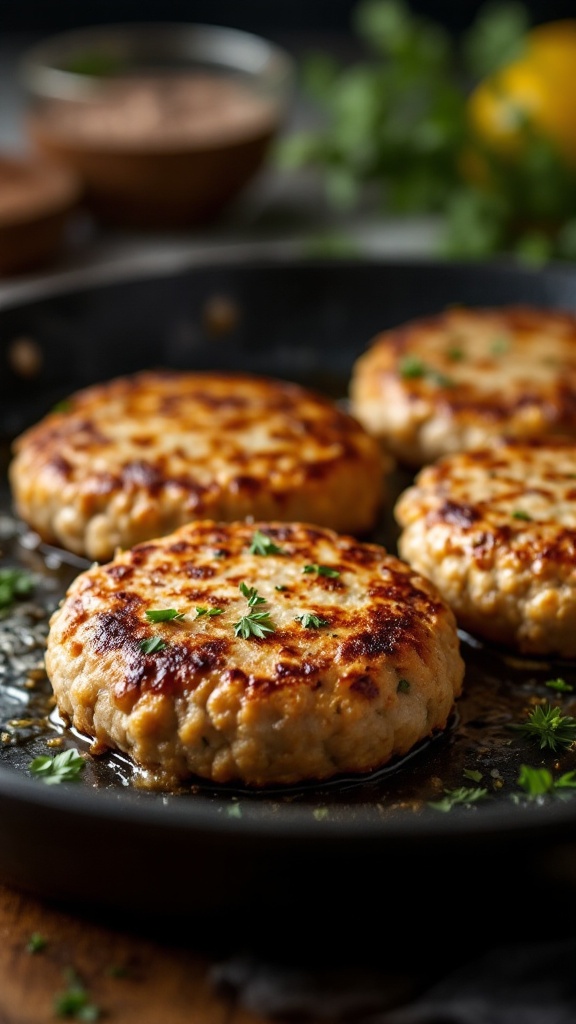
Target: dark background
272 17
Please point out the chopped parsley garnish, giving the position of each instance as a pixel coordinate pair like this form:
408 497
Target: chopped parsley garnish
152 644
499 346
251 595
472 774
63 767
403 686
455 354
36 943
14 583
64 406
549 727
262 545
255 624
211 612
412 368
311 621
463 795
560 685
321 570
539 781
163 614
75 1002
519 513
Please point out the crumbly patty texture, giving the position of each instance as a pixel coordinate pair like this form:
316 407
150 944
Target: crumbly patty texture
465 377
358 658
495 530
139 456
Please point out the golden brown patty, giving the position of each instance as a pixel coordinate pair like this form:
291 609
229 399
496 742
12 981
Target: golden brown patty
495 530
138 456
463 378
293 654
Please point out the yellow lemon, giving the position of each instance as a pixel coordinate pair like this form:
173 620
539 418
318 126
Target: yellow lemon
537 91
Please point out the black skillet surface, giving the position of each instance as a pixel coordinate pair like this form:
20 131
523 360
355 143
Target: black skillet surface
327 854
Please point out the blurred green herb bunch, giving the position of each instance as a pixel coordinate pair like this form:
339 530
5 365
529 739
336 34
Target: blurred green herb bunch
477 128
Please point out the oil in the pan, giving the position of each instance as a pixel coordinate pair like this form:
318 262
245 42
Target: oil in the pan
478 743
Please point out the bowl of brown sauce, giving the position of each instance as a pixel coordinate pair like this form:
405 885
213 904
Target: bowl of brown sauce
165 124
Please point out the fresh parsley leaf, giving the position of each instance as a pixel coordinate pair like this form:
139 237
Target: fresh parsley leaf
539 781
550 728
257 624
211 612
311 621
519 513
251 595
560 685
152 644
75 1002
63 767
463 795
163 614
496 37
321 570
411 367
36 943
14 583
262 545
499 346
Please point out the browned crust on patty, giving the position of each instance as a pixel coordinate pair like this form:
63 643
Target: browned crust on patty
465 377
138 456
495 529
300 702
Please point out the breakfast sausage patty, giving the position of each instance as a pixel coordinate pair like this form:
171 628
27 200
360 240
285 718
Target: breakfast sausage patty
495 529
265 653
138 456
463 378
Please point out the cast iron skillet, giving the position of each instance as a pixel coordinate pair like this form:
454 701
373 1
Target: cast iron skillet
335 851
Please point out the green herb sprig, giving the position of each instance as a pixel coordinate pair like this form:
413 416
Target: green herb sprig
560 685
74 1002
164 615
258 624
36 943
14 583
464 795
66 766
393 129
261 544
152 644
549 727
311 621
321 570
538 782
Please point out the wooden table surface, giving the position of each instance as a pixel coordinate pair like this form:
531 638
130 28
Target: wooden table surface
131 979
